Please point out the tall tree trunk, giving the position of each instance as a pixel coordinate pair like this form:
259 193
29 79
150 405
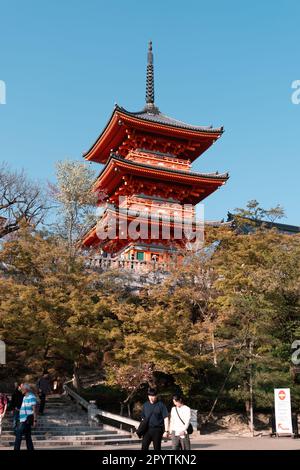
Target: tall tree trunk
251 420
214 349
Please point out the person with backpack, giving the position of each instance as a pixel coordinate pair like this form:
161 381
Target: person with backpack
155 418
3 408
179 424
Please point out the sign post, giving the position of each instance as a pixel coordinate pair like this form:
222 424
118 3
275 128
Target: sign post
283 412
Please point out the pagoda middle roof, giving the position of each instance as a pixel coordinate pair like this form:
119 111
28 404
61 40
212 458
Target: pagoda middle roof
155 171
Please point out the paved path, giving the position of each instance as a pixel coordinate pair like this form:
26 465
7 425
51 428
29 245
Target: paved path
212 443
247 443
225 443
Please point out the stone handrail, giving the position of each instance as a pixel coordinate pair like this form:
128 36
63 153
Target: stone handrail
81 401
121 419
93 411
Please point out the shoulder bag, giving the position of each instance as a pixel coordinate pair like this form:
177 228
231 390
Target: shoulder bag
190 429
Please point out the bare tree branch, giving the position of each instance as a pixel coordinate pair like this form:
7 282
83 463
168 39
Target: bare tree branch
20 200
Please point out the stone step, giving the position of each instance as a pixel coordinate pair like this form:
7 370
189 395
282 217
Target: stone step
63 432
63 412
51 424
65 425
78 442
57 423
71 438
54 418
62 429
80 446
57 403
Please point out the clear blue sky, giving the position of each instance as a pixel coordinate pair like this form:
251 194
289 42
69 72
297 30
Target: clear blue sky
227 63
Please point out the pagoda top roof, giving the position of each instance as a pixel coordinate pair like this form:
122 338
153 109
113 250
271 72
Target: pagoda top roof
152 121
153 114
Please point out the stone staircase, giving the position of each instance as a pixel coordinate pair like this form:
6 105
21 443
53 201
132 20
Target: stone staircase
65 426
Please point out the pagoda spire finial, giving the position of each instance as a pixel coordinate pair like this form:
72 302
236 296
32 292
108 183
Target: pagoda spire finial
150 106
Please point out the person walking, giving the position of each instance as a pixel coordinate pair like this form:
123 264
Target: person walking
3 408
27 418
15 405
44 388
179 423
157 416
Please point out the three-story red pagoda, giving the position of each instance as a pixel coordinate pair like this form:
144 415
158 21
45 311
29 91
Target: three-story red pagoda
148 157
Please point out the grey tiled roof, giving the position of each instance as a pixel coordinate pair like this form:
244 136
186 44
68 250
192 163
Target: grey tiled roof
248 224
154 115
113 156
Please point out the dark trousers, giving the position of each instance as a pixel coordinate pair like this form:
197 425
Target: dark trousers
42 402
152 435
23 429
16 421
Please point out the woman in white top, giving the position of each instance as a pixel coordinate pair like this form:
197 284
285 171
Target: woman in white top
180 420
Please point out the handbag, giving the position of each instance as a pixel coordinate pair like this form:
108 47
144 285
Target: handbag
190 429
144 425
143 428
30 420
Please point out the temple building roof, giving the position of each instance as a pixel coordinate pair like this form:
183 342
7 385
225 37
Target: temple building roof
196 186
160 170
247 224
192 140
155 116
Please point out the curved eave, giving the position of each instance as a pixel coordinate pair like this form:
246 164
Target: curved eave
115 132
163 120
92 239
145 218
116 167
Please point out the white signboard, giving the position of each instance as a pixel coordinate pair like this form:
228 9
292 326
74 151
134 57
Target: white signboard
283 413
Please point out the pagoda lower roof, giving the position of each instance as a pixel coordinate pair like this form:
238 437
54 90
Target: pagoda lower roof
117 167
91 238
153 122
